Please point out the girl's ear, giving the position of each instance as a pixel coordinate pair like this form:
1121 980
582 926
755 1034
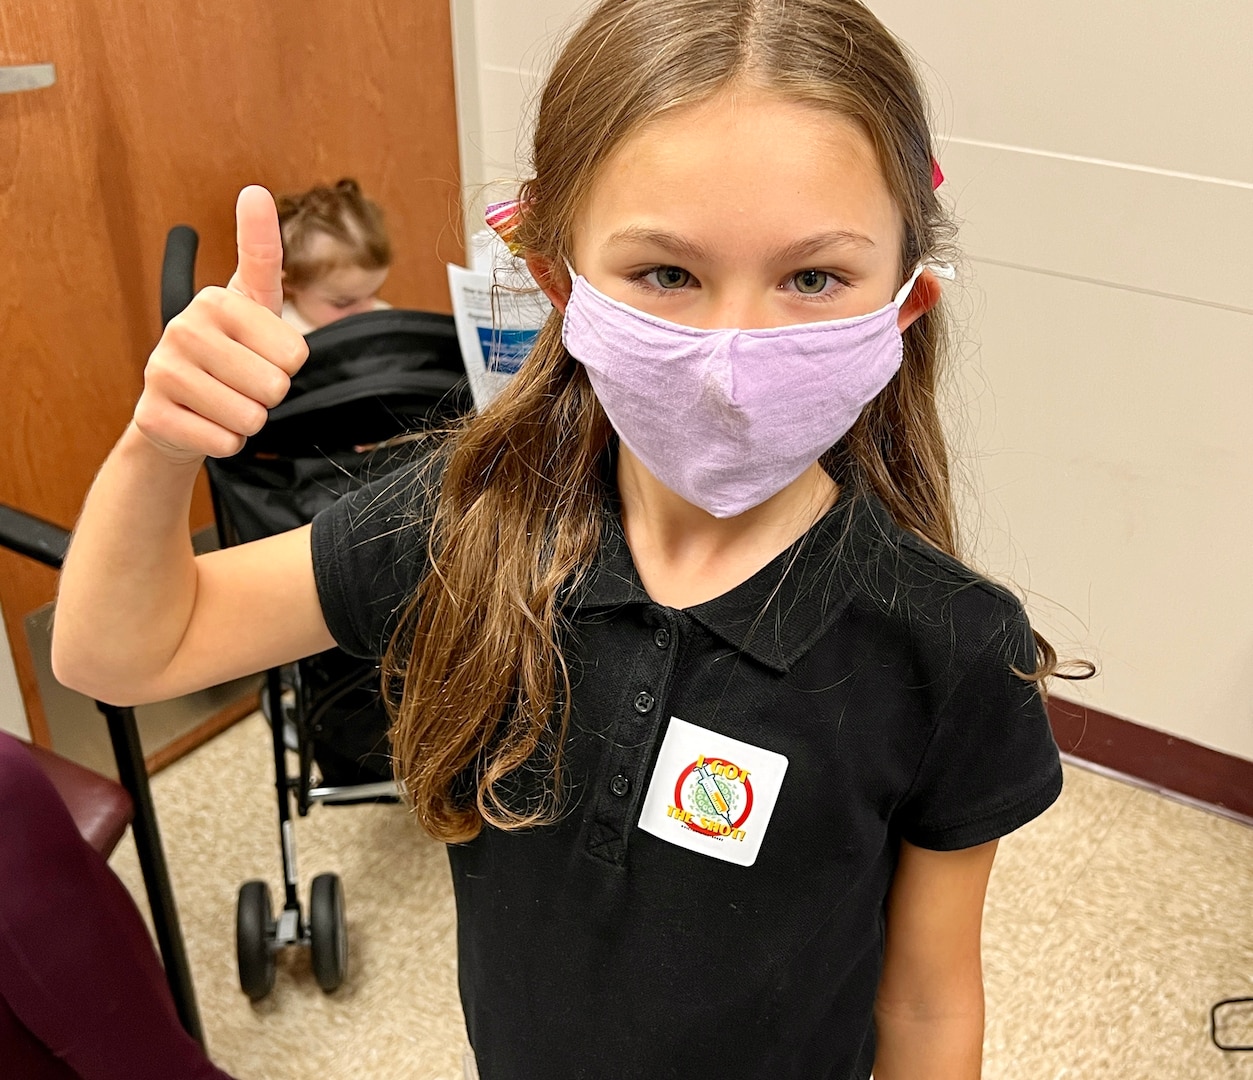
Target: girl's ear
924 296
550 275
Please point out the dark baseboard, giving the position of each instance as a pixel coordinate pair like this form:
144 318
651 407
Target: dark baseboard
1153 757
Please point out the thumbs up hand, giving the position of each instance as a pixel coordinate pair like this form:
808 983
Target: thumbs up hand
229 357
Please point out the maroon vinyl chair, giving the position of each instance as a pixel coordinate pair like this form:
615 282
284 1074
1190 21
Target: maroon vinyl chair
46 543
72 943
83 995
100 808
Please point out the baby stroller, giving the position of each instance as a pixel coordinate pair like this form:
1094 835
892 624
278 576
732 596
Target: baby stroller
368 379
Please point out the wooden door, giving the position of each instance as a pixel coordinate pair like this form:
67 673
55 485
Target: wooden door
160 113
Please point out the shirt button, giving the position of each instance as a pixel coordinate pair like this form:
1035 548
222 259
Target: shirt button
620 785
661 638
644 702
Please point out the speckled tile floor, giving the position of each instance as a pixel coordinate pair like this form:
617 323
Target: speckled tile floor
1113 922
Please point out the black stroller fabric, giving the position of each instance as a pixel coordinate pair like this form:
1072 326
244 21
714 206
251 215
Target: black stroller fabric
369 378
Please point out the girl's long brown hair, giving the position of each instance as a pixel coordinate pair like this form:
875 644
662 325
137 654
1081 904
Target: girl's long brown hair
476 676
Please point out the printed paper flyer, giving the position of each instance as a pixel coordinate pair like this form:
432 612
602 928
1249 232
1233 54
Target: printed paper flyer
498 310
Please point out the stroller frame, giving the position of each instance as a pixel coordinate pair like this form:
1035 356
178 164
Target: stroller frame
258 934
433 387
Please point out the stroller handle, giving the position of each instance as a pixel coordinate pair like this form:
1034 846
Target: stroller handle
178 271
33 537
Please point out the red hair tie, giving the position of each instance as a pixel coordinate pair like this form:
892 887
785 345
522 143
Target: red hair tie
937 177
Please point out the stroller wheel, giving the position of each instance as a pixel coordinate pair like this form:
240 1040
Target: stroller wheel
328 931
254 930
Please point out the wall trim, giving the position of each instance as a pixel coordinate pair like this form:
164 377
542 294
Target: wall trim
1221 782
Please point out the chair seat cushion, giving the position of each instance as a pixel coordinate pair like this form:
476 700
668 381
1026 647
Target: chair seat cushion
78 973
100 807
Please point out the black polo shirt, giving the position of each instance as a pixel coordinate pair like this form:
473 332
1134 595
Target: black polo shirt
682 918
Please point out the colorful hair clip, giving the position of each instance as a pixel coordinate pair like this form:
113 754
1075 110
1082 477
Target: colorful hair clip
937 177
503 218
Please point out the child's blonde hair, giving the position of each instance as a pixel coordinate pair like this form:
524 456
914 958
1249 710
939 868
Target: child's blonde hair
483 687
341 212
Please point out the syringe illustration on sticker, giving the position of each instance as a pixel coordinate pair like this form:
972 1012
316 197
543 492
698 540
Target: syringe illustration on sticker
710 787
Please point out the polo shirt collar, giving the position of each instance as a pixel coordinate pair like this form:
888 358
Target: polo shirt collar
777 614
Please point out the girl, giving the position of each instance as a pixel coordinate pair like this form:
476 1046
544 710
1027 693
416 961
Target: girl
684 667
336 255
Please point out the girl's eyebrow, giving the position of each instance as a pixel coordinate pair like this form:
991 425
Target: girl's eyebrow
684 248
811 245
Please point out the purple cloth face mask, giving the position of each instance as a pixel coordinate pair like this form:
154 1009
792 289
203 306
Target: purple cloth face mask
728 418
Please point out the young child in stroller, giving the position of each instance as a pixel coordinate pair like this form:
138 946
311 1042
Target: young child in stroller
336 254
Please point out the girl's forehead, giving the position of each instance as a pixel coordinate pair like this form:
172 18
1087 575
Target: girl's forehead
349 280
744 163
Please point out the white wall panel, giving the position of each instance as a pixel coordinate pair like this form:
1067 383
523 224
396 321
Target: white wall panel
1114 486
524 33
1164 84
1144 230
508 96
12 710
502 47
465 46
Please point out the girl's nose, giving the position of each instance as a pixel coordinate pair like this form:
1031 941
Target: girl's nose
739 310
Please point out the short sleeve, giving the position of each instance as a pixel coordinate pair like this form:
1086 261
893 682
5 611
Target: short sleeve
369 553
992 764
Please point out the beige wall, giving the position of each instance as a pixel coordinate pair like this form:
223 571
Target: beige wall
1098 157
12 710
503 49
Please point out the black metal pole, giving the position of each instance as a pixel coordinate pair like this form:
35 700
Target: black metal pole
133 774
287 842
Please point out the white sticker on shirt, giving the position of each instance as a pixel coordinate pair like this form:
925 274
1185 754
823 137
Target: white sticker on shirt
711 793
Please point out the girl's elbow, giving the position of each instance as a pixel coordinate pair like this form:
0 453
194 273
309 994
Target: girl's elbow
69 666
945 1009
79 669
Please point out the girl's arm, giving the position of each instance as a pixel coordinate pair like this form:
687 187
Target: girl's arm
929 1009
139 618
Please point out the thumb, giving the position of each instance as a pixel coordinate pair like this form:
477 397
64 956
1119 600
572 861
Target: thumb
259 273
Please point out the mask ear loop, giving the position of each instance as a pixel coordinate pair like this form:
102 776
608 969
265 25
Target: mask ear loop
939 269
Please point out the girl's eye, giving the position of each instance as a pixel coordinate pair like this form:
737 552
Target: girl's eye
811 282
670 277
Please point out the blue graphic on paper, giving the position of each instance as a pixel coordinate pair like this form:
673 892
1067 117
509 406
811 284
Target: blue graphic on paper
504 350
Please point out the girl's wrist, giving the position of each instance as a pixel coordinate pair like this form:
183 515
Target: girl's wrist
148 453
